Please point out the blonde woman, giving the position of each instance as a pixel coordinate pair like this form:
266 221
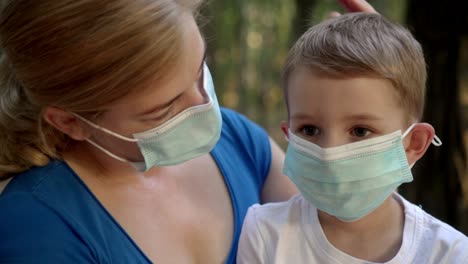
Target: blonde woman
113 140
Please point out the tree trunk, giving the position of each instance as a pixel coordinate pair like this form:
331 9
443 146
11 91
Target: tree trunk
303 17
439 173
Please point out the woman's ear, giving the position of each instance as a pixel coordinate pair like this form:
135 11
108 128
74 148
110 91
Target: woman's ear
417 141
285 128
65 122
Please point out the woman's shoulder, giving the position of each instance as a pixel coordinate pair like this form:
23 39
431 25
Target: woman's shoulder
236 122
29 194
241 132
49 215
39 193
243 144
35 178
33 230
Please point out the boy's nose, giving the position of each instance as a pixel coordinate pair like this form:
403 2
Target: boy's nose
329 140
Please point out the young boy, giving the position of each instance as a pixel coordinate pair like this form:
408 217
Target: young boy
354 87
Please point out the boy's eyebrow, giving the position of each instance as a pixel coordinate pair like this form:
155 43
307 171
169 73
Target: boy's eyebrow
301 116
347 117
362 117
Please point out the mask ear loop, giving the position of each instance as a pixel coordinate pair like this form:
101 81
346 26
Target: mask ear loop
435 141
408 130
106 151
105 129
109 132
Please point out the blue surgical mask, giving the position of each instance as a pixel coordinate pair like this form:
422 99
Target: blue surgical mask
352 180
190 134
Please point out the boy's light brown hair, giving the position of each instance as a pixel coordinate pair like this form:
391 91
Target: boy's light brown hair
362 44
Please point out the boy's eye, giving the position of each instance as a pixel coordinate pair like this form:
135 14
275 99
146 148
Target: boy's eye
310 130
360 132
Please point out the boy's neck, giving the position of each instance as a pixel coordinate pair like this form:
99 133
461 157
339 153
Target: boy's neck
376 237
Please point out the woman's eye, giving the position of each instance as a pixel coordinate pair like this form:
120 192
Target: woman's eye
360 132
157 117
310 131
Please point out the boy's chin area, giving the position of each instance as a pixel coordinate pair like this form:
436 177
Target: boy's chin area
376 237
390 208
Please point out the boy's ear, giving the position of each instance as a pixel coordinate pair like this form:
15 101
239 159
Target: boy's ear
66 123
417 141
285 128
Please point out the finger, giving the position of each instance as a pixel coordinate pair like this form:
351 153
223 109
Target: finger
333 14
357 6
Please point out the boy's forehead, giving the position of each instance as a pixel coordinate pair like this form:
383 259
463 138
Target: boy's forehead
364 43
321 95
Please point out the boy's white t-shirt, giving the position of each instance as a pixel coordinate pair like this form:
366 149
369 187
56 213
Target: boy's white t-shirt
290 232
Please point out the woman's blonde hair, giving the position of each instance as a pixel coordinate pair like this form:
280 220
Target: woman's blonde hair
362 44
80 56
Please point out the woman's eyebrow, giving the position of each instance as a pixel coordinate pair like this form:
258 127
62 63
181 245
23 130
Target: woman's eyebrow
159 107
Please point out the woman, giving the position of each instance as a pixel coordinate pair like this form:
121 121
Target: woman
113 139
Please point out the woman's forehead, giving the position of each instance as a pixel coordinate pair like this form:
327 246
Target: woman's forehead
181 77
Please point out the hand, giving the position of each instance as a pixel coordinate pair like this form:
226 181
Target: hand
354 6
357 6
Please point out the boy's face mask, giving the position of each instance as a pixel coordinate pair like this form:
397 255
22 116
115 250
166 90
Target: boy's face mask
190 134
351 180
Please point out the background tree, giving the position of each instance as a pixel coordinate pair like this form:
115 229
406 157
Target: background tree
441 174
